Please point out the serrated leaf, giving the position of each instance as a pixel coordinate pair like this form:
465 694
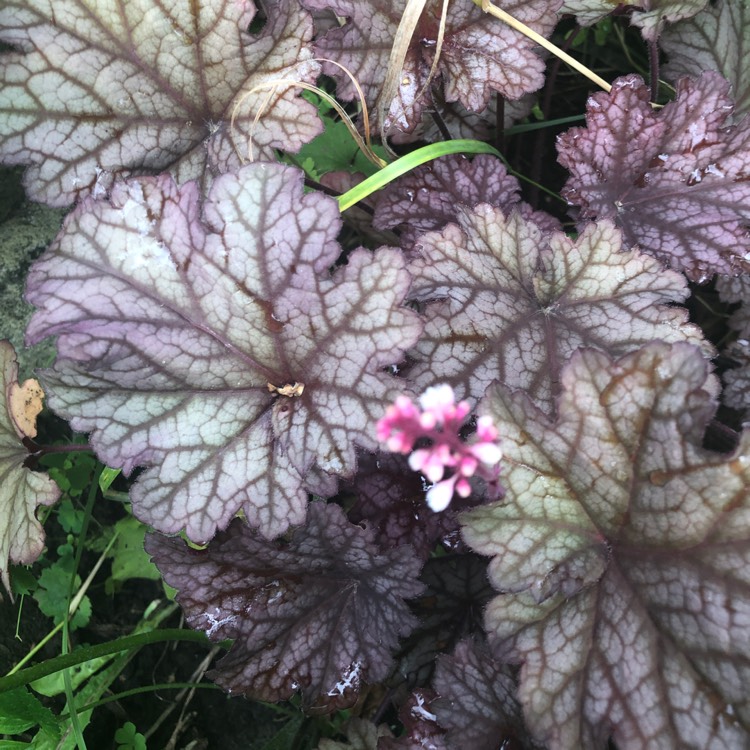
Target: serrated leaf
675 181
650 16
52 596
20 710
717 39
21 490
478 706
140 87
427 198
514 304
624 547
320 614
480 56
222 353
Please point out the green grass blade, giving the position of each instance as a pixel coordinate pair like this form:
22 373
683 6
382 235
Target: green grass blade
407 163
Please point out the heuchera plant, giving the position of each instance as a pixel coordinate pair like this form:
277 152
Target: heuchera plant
468 466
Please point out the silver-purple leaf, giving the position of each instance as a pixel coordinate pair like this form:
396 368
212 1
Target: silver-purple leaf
717 39
220 351
513 304
676 181
21 490
141 87
649 15
320 614
426 198
623 549
480 55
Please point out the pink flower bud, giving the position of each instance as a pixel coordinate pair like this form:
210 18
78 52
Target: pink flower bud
439 420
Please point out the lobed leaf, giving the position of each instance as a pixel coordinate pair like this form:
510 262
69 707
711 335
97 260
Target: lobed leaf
675 181
137 87
320 614
391 499
650 16
428 197
449 611
220 351
478 705
622 550
21 490
513 305
718 38
479 55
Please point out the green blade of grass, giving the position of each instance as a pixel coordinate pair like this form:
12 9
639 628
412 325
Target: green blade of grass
407 163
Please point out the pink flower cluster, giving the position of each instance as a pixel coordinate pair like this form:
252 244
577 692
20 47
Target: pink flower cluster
440 419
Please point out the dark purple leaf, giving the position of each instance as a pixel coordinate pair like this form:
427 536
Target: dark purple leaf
676 181
421 731
428 197
623 551
717 39
737 391
480 54
478 705
320 614
734 289
450 610
221 352
514 305
140 87
21 490
391 498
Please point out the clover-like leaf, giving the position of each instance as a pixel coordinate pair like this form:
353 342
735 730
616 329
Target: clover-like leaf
319 614
675 181
514 305
479 56
716 39
478 705
623 551
21 490
221 353
650 16
427 198
139 87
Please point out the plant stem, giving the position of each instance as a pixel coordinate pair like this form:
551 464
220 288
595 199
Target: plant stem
87 653
493 10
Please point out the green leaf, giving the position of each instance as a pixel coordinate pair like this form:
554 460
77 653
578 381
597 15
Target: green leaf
52 596
284 738
108 476
53 684
20 710
407 163
70 517
129 738
129 559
